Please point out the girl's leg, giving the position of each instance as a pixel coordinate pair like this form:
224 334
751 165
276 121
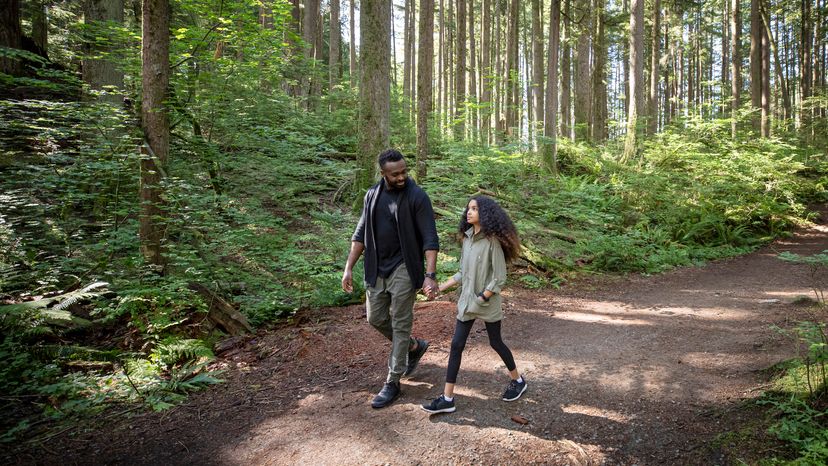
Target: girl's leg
496 342
458 343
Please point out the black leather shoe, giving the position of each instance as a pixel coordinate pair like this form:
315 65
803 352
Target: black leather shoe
415 356
390 392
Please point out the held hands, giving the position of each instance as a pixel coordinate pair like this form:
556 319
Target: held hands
430 288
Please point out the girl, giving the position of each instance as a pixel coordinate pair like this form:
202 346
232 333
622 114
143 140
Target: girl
490 240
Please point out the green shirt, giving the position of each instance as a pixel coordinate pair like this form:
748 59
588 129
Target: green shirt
482 267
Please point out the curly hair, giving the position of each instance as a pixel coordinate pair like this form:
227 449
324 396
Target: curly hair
494 222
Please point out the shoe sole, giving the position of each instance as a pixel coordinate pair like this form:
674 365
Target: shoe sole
518 395
436 411
408 373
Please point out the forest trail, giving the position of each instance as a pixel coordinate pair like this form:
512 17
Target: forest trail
632 370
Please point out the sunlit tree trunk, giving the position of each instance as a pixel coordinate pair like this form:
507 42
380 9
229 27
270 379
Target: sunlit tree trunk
511 78
550 129
155 79
805 63
766 94
310 29
583 81
566 72
425 63
460 76
473 82
334 45
407 58
636 77
655 56
375 86
735 62
756 62
537 65
599 77
486 73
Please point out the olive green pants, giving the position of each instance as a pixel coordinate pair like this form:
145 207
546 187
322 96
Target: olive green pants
390 309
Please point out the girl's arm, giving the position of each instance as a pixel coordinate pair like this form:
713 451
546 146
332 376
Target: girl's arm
448 284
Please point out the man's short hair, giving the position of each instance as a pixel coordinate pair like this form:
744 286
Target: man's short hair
389 155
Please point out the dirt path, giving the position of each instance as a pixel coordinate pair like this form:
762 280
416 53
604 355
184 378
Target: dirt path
639 370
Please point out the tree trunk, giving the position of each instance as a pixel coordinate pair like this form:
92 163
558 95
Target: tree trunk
655 56
550 129
805 64
352 65
425 64
334 45
155 79
599 78
636 78
566 72
407 58
625 8
412 21
472 111
500 84
310 30
101 74
441 69
11 35
460 77
783 85
735 63
583 91
486 74
40 27
537 65
375 86
512 78
756 62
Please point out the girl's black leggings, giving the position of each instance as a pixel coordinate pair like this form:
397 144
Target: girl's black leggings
458 343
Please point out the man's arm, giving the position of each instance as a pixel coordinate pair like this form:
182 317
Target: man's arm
429 284
353 256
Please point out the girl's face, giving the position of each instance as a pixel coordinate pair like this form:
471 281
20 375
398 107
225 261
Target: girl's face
472 215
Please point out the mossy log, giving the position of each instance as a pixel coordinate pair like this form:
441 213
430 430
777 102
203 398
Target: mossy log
221 312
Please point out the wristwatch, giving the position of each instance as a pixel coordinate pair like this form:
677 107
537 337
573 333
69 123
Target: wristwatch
431 275
482 295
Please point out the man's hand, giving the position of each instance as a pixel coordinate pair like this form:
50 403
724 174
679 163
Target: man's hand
347 282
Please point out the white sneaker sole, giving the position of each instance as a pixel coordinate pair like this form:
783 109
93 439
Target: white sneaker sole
436 411
525 386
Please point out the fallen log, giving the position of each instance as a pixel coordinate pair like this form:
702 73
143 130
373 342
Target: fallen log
222 313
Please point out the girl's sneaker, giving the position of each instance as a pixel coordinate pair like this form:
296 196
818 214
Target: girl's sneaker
440 405
514 390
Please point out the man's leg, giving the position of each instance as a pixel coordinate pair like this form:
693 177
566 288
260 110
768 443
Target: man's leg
377 304
402 318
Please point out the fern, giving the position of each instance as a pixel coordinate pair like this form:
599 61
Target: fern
69 299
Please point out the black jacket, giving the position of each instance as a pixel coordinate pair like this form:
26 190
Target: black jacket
415 225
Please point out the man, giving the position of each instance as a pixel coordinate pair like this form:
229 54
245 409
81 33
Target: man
396 229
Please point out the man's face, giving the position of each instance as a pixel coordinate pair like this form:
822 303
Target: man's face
395 174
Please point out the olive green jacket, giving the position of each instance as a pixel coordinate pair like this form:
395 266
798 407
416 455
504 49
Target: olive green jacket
482 267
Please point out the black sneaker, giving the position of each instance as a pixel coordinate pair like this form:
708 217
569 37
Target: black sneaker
440 405
390 392
415 356
514 390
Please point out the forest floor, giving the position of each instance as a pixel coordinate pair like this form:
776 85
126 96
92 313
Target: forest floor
621 370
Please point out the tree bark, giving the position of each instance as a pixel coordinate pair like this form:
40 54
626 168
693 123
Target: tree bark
352 65
11 35
600 130
40 27
512 78
783 85
334 45
756 62
566 72
636 77
583 81
735 63
805 63
155 77
537 65
425 65
486 74
655 56
375 87
102 74
460 76
472 111
550 129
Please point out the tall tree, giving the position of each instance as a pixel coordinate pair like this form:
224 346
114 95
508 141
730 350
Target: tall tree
460 76
334 45
655 56
155 79
425 63
512 77
735 62
566 72
11 35
473 82
352 65
102 73
636 78
537 64
583 83
756 33
408 65
599 76
375 86
486 72
765 125
40 26
805 62
310 31
550 129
